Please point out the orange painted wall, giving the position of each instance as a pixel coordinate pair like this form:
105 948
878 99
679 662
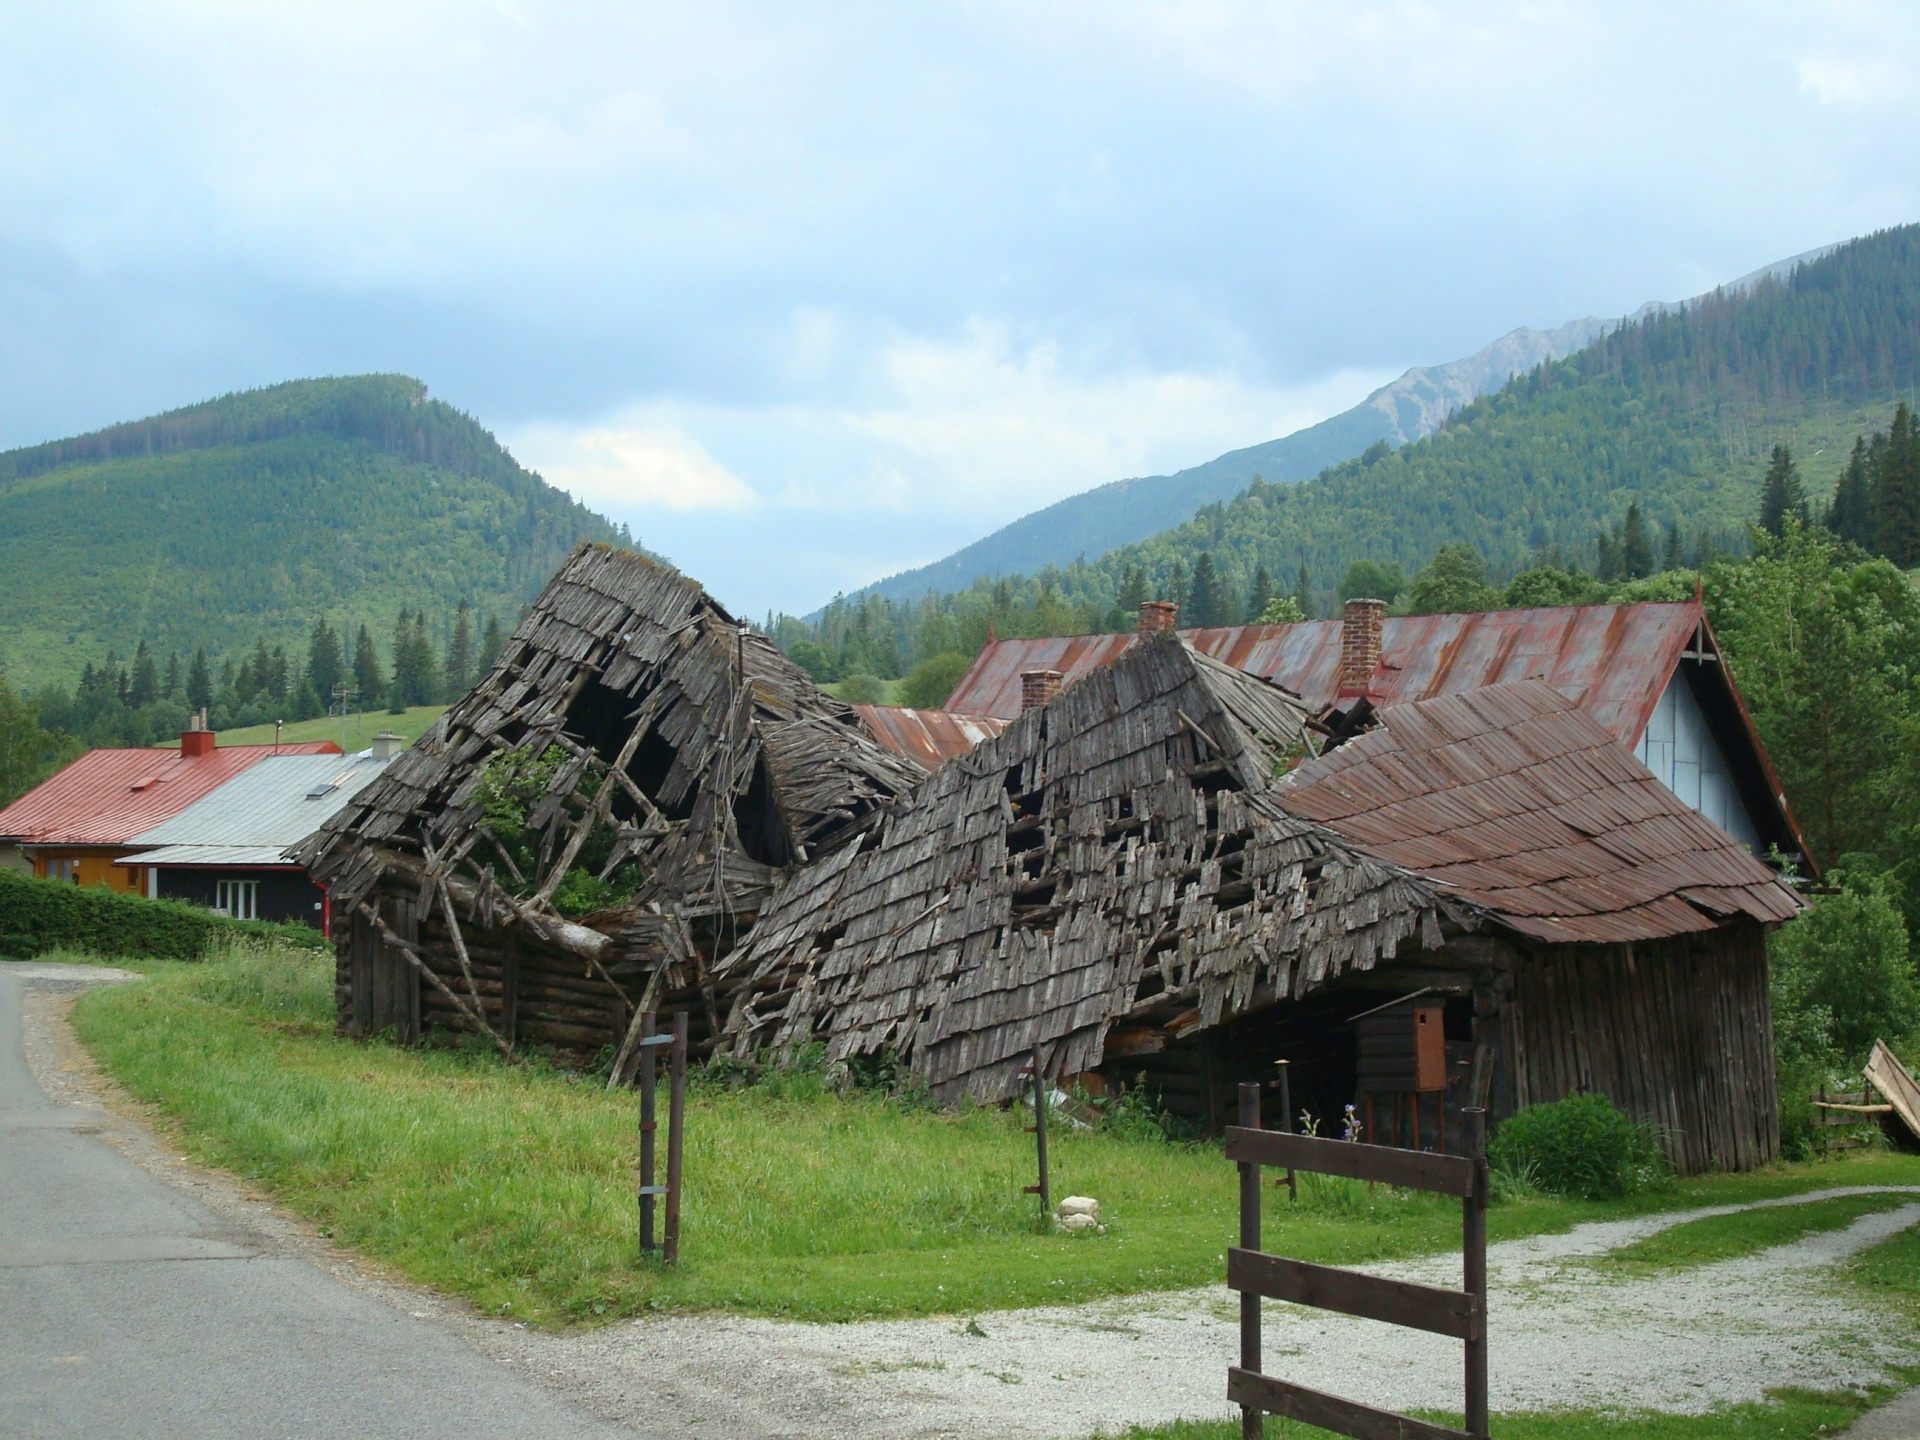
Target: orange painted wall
95 867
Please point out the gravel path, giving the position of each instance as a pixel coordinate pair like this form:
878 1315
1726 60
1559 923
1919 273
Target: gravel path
1563 1333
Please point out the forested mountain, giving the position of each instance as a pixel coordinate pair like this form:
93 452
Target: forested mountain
1126 511
1675 412
1123 511
252 516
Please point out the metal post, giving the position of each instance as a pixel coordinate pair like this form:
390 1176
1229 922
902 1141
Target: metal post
1250 1418
1473 1125
1040 1135
648 1125
676 1127
1286 1119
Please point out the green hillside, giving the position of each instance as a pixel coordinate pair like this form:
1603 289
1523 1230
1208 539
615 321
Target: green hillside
254 514
1676 412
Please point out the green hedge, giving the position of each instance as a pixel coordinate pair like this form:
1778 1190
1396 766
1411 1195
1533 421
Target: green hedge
41 915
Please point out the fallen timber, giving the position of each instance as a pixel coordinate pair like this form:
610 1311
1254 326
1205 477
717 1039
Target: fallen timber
633 742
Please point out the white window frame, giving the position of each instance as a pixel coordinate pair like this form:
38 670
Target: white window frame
237 899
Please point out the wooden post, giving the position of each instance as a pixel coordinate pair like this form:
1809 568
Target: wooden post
1250 1416
1039 1128
1474 1249
648 1124
1286 1120
676 1135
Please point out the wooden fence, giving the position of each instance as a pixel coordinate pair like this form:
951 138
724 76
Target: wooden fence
1461 1313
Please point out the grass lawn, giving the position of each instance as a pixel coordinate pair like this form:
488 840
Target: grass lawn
513 1186
1787 1415
356 733
892 692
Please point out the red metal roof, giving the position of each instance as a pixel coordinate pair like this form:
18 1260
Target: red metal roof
1613 660
107 797
929 738
1517 798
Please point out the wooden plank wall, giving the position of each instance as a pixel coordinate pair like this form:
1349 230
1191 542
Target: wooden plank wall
1675 1032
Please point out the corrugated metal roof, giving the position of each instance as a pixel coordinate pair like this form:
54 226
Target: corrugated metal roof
108 796
178 857
274 805
1517 798
929 738
1614 660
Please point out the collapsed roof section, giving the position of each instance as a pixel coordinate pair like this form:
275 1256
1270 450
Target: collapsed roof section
1113 856
630 725
1515 798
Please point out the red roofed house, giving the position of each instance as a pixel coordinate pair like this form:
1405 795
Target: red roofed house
1651 674
75 825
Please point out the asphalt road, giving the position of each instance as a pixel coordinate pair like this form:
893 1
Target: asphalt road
127 1308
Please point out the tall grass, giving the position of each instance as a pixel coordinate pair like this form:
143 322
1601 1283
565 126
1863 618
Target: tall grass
514 1186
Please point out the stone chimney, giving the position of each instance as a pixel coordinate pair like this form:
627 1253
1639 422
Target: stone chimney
1360 630
1037 687
386 745
1157 615
196 740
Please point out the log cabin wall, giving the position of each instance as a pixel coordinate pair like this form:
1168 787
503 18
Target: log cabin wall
1677 1032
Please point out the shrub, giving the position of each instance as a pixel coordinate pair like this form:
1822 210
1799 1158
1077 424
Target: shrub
1842 978
863 690
41 915
1580 1146
932 680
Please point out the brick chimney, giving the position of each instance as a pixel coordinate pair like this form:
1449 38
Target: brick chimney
1037 687
1360 630
196 739
1157 615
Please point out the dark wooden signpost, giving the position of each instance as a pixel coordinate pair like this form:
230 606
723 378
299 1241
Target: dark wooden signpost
1460 1313
669 1245
1039 1132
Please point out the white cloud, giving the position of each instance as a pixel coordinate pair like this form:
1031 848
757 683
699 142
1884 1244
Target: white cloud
627 470
1833 81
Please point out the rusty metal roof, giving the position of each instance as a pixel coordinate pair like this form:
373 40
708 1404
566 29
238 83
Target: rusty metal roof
929 738
1518 799
107 797
1613 660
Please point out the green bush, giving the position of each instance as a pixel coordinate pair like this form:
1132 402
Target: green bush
932 680
863 690
41 915
1843 978
1580 1146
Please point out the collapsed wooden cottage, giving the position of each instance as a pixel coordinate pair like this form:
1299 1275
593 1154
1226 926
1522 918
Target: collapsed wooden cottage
593 827
1124 881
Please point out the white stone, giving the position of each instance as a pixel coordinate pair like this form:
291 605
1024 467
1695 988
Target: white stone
1079 1222
1078 1205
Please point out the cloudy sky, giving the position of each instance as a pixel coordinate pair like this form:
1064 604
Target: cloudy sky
811 295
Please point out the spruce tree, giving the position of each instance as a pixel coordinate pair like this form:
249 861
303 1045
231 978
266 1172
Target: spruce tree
368 679
1897 492
277 679
199 681
1303 592
170 687
1262 593
1205 606
1676 556
1781 494
144 688
1850 516
326 662
491 641
1636 549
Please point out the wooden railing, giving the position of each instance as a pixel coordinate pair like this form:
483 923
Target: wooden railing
1461 1314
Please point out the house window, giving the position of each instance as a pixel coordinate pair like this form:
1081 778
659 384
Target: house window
65 869
238 898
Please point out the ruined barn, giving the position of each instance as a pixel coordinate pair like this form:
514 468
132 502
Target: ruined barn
594 827
1151 879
